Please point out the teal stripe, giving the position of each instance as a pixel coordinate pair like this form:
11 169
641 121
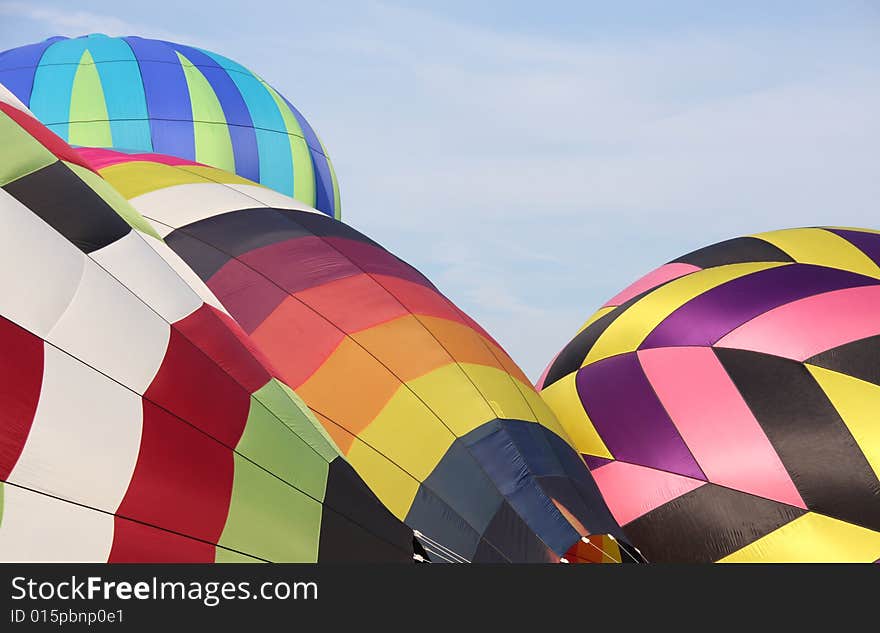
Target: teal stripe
53 84
273 144
123 92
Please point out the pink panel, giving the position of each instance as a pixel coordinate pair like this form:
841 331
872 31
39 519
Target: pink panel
809 326
99 158
653 279
631 491
715 422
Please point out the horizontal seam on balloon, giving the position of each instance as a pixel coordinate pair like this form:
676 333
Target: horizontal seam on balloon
133 520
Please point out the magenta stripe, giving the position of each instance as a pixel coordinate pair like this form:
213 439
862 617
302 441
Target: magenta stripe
656 277
630 419
631 491
715 422
709 316
807 327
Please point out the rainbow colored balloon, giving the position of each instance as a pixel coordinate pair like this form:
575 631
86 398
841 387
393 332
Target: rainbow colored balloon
144 95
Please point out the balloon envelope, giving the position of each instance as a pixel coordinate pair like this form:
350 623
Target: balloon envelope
137 421
146 95
427 407
727 401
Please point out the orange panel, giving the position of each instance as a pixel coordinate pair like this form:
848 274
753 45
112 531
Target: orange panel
405 347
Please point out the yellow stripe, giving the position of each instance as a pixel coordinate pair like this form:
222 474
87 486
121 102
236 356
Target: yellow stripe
395 489
823 248
629 329
858 403
408 433
135 178
812 538
596 316
563 399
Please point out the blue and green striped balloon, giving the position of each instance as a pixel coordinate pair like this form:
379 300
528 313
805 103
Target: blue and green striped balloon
143 95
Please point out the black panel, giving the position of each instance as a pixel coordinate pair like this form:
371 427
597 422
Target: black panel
67 204
706 524
815 446
372 534
241 231
323 226
572 355
859 359
435 518
204 259
521 544
736 251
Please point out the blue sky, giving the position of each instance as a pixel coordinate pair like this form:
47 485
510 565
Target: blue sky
534 158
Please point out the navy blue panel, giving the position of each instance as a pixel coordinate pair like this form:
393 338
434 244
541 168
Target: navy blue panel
168 101
19 65
458 476
532 441
502 460
433 517
238 117
596 518
520 542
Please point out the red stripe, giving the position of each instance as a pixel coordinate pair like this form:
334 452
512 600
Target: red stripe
138 543
182 482
100 158
45 136
21 376
195 388
227 345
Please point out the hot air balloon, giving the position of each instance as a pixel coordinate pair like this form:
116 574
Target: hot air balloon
137 421
727 401
148 95
426 406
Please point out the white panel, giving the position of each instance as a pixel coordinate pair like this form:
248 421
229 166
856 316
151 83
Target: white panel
184 271
272 198
39 269
7 97
184 204
112 330
84 442
141 270
37 528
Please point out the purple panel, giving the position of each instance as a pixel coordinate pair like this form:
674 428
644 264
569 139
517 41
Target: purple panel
629 417
709 316
593 462
868 243
300 263
247 296
377 260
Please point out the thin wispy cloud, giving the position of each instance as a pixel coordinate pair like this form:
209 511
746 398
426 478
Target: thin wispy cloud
534 172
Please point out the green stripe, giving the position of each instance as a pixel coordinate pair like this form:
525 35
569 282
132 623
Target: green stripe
112 197
212 139
295 414
90 124
303 170
20 153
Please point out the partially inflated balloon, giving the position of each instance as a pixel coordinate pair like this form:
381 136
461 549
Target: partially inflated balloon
728 401
427 407
137 422
148 95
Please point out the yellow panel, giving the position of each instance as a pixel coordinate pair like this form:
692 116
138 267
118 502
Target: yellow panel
821 247
453 398
544 413
563 399
812 538
408 434
217 175
135 178
858 403
500 390
596 316
395 489
628 330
